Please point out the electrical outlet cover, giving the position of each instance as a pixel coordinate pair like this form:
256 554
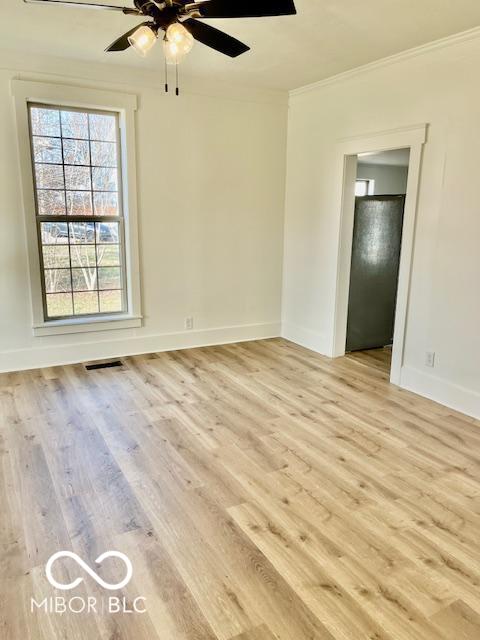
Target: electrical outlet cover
430 358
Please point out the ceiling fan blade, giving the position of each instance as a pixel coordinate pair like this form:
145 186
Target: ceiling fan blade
122 42
242 8
215 38
67 3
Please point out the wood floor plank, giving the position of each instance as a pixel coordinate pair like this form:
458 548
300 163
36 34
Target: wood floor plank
459 620
338 611
171 606
259 633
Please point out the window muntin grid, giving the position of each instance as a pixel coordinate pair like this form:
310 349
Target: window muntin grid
77 179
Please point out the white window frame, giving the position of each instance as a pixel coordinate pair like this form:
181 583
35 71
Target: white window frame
370 185
125 105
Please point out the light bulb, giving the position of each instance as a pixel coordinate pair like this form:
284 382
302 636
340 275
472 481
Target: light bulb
142 40
178 42
171 52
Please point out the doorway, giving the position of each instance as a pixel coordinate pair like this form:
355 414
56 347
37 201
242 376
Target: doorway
380 190
349 151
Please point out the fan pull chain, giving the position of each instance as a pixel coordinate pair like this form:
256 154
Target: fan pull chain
166 75
177 90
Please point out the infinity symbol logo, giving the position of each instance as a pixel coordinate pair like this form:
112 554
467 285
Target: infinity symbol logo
85 567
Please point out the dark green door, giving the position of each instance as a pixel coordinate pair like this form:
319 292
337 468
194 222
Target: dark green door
377 237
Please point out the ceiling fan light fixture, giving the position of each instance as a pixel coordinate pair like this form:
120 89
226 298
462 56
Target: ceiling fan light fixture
173 53
179 38
143 39
182 20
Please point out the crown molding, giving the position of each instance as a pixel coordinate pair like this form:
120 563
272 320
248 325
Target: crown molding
435 45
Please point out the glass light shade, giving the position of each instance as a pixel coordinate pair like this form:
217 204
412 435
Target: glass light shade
142 40
179 41
173 55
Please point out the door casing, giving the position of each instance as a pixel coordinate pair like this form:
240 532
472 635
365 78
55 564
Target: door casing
412 138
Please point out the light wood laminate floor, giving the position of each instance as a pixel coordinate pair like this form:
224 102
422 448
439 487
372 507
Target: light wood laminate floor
380 359
260 491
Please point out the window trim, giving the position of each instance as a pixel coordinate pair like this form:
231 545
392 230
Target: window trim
370 182
125 105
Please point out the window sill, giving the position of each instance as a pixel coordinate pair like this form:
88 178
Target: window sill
84 325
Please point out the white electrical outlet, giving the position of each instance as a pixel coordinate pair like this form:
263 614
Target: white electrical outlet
430 358
189 323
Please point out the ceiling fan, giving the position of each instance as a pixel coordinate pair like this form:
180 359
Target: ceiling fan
178 19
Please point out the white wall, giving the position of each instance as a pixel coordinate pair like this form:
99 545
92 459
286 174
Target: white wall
211 184
211 194
389 179
444 308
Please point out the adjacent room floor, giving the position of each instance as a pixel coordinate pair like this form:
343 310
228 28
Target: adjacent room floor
261 492
380 359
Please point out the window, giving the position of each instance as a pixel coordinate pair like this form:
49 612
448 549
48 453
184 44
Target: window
77 178
77 161
365 187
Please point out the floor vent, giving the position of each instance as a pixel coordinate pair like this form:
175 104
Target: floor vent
104 365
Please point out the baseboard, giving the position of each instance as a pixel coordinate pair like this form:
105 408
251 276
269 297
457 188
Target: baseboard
306 338
451 395
38 357
446 393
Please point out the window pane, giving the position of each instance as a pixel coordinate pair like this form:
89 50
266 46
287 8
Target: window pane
84 279
49 176
59 304
57 280
75 157
56 256
83 255
102 127
54 232
110 301
82 232
104 179
47 150
106 204
104 154
361 188
74 124
85 302
76 152
45 122
109 278
77 177
107 232
51 203
108 255
79 203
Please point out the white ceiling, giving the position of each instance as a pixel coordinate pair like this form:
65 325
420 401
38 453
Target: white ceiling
395 158
325 38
